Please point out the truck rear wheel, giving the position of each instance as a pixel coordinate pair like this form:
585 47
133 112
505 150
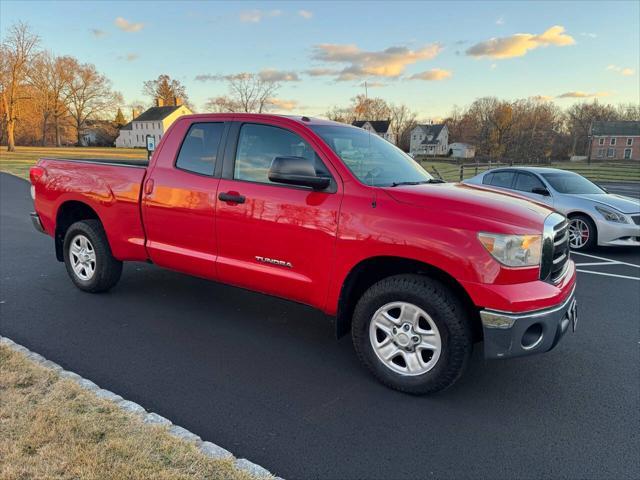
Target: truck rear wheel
412 333
88 257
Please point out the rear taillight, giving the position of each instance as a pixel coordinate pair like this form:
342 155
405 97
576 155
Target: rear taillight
35 174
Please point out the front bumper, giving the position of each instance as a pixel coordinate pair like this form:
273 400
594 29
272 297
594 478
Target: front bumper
37 224
517 334
618 234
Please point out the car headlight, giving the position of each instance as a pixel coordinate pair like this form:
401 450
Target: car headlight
611 215
513 250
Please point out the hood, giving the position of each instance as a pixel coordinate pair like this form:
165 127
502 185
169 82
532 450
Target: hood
477 201
619 202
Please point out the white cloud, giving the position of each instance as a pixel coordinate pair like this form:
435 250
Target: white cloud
306 14
129 57
390 62
435 74
589 34
273 75
281 104
98 33
127 26
500 20
256 16
626 71
579 94
519 44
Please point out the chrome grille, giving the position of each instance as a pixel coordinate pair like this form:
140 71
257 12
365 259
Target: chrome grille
555 249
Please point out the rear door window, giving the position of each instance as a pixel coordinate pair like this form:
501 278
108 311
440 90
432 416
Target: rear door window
502 179
199 150
526 182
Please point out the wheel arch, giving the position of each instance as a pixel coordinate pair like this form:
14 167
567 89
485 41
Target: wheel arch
68 213
371 270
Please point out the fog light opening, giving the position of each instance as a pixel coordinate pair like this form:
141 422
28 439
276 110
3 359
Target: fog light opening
532 336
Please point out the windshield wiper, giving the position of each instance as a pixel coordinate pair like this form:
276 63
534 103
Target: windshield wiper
431 180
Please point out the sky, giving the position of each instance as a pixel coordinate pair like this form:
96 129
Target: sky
431 56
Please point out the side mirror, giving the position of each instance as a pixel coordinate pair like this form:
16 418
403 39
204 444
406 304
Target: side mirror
297 171
541 191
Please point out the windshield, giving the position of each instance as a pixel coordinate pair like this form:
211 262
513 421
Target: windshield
571 183
373 160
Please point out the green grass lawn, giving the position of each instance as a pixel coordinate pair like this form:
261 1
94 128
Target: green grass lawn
18 162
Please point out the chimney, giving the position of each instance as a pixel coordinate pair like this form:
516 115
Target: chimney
134 113
159 102
177 101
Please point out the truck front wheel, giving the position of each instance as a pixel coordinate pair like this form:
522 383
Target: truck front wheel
88 257
412 333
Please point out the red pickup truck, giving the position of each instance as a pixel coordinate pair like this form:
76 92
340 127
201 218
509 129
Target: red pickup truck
331 216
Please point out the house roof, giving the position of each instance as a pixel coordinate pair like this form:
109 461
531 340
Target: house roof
156 113
126 126
380 126
433 129
615 128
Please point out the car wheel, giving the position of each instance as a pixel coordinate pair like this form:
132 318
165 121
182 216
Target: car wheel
582 233
412 333
88 257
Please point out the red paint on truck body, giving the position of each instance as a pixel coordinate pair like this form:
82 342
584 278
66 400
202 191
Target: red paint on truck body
179 223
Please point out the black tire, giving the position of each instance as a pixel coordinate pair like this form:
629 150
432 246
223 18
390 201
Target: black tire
446 311
592 242
107 269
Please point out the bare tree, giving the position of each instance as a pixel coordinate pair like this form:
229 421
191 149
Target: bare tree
90 96
247 93
51 76
16 52
579 119
167 89
402 120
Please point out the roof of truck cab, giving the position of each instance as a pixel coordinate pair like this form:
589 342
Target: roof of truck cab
301 119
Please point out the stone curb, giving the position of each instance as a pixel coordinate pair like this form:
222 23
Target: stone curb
209 449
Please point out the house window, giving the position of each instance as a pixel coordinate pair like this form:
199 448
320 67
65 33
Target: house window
612 141
611 152
629 142
601 141
627 154
601 152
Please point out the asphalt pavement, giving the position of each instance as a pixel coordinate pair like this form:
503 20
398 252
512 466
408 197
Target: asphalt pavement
266 379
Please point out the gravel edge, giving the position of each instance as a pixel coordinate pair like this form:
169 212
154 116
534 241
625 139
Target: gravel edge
207 448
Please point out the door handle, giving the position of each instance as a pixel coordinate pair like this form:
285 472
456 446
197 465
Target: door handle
148 186
231 197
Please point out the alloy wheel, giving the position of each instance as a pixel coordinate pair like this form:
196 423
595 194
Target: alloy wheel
405 338
578 233
83 257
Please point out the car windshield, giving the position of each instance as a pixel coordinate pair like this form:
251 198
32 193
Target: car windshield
373 160
571 183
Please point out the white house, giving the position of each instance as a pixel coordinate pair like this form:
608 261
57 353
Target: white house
462 150
154 121
382 128
429 140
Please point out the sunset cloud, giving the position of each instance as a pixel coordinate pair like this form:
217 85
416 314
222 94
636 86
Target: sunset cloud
127 26
272 75
390 62
519 44
627 72
282 104
435 74
129 57
306 14
322 72
256 16
542 98
579 94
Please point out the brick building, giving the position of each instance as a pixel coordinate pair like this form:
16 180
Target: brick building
616 140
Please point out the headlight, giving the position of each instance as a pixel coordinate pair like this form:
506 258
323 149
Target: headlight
611 215
513 250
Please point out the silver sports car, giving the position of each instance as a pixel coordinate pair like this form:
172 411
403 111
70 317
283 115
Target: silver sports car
596 216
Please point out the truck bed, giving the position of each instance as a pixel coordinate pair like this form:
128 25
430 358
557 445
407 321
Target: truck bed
111 188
